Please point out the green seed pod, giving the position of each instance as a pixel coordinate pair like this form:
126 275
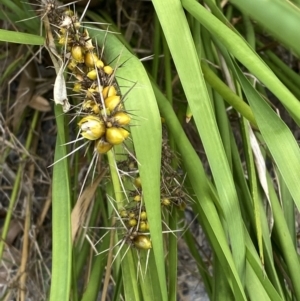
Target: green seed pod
108 70
103 146
109 91
121 118
137 182
90 59
112 102
77 54
166 202
92 74
92 127
142 242
181 205
123 213
131 214
116 135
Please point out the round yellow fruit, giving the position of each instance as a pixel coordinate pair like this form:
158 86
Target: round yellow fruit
103 146
77 53
92 127
142 242
116 135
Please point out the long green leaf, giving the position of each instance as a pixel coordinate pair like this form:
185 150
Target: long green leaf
61 221
20 37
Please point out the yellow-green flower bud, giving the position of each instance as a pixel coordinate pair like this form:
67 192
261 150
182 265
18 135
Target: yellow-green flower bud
77 53
142 242
92 127
103 146
116 135
112 102
121 118
108 70
90 59
92 74
109 91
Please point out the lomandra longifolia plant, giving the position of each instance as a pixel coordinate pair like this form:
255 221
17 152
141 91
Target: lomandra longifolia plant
104 124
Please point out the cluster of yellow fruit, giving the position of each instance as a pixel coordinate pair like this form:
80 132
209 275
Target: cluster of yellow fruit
103 115
134 217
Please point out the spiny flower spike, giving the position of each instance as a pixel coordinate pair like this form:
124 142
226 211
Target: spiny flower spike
104 119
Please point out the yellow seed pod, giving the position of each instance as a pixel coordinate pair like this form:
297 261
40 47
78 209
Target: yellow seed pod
142 242
131 214
123 213
132 222
72 65
137 182
90 93
92 74
92 127
143 226
116 135
99 64
143 215
77 87
121 118
108 70
112 102
77 25
68 12
109 91
103 146
91 105
62 40
137 198
90 59
166 202
63 31
77 54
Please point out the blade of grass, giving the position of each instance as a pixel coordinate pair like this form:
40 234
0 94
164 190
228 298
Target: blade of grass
278 137
61 217
20 37
285 241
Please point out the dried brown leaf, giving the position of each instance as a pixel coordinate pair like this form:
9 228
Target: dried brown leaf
80 210
25 92
39 103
